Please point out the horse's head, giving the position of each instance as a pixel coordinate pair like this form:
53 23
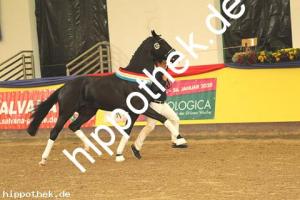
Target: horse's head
161 49
153 49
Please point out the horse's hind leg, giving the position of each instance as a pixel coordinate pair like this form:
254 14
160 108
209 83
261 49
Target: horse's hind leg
62 119
68 100
67 107
85 114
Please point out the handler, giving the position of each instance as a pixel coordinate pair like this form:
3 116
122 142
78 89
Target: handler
160 106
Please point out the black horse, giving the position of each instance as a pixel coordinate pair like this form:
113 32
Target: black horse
85 95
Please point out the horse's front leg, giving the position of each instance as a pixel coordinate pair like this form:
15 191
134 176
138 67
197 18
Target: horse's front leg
120 149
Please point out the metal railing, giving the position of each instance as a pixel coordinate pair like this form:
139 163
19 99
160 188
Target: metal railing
20 66
97 59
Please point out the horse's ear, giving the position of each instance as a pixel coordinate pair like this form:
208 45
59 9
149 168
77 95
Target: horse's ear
154 34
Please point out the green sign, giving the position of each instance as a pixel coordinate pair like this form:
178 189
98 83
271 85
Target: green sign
194 106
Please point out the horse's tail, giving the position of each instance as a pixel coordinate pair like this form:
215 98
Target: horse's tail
41 111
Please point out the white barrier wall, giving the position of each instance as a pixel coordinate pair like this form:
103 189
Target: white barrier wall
130 21
295 15
18 26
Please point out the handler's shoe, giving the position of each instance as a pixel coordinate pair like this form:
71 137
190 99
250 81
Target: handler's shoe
180 142
135 152
181 146
119 158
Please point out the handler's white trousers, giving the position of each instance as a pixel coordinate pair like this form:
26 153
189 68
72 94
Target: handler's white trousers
163 109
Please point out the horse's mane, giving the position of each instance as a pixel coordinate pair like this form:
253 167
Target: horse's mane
142 57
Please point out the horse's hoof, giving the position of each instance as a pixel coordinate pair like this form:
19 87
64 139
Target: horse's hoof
135 152
42 162
120 158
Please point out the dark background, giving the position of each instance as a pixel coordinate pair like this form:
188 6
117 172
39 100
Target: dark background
268 20
66 29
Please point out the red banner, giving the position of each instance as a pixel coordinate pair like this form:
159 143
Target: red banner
17 106
192 86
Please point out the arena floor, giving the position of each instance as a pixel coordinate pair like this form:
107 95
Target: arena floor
222 162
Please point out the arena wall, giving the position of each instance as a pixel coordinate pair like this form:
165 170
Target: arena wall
242 96
262 95
248 96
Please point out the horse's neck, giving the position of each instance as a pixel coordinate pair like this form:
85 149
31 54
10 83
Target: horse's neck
141 59
138 65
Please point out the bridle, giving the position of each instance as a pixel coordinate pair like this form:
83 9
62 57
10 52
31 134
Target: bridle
170 51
